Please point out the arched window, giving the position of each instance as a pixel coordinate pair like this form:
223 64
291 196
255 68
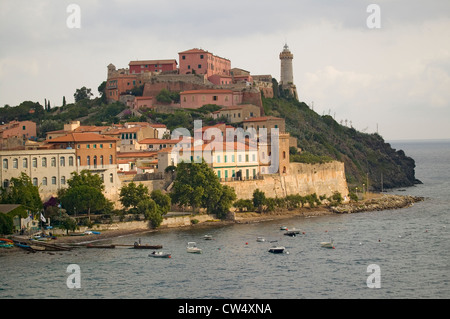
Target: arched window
53 180
34 162
111 179
25 163
62 161
71 161
15 163
63 180
53 162
88 160
95 161
35 181
44 181
101 160
110 159
44 162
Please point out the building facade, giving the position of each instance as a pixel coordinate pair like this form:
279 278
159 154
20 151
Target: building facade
155 66
198 61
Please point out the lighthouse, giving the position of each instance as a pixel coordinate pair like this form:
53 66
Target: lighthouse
287 73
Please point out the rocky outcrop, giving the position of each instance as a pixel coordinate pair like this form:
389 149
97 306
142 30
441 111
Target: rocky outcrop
384 202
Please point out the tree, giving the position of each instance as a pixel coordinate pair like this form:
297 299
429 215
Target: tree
22 191
259 199
82 94
130 195
150 210
85 193
197 185
163 201
64 101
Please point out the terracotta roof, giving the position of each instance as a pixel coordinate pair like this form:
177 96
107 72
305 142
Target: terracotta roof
157 141
82 137
153 62
263 118
135 154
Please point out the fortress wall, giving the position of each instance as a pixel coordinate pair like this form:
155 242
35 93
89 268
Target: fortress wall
303 179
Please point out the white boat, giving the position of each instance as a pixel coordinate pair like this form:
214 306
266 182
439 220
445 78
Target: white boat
160 254
283 228
277 250
260 239
192 248
327 244
207 237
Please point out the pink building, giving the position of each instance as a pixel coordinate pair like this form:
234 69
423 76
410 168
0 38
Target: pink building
197 98
142 101
24 129
197 61
137 67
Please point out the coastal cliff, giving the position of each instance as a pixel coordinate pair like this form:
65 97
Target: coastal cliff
367 157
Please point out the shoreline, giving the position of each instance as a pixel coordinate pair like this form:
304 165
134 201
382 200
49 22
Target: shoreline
374 202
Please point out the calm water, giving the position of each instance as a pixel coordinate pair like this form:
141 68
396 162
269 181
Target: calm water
411 246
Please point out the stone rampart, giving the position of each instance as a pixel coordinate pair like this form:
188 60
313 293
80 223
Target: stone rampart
303 179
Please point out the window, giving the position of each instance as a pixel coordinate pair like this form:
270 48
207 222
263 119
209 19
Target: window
88 146
62 161
215 98
201 56
199 66
218 158
246 158
15 163
183 57
5 163
95 145
253 157
53 162
95 161
34 162
110 159
63 180
284 155
225 159
111 178
25 163
35 181
6 183
88 160
44 181
44 162
240 158
53 180
101 160
71 161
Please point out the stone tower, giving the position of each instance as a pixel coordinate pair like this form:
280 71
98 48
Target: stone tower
287 73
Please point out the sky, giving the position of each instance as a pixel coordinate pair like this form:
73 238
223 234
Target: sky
382 69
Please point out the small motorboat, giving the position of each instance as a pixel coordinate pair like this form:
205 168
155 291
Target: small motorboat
277 250
192 248
327 244
283 228
260 239
160 254
207 237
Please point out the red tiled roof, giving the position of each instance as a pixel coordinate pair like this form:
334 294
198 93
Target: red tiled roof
135 154
171 61
82 137
157 141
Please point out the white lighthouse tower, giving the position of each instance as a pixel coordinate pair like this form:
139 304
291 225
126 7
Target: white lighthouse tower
287 73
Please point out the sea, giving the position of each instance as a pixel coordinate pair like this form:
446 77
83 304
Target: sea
392 254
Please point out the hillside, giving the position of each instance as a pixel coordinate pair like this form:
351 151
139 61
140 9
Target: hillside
366 156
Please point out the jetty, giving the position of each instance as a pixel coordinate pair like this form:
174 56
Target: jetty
36 245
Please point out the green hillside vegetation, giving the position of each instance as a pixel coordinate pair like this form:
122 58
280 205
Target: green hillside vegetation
367 157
